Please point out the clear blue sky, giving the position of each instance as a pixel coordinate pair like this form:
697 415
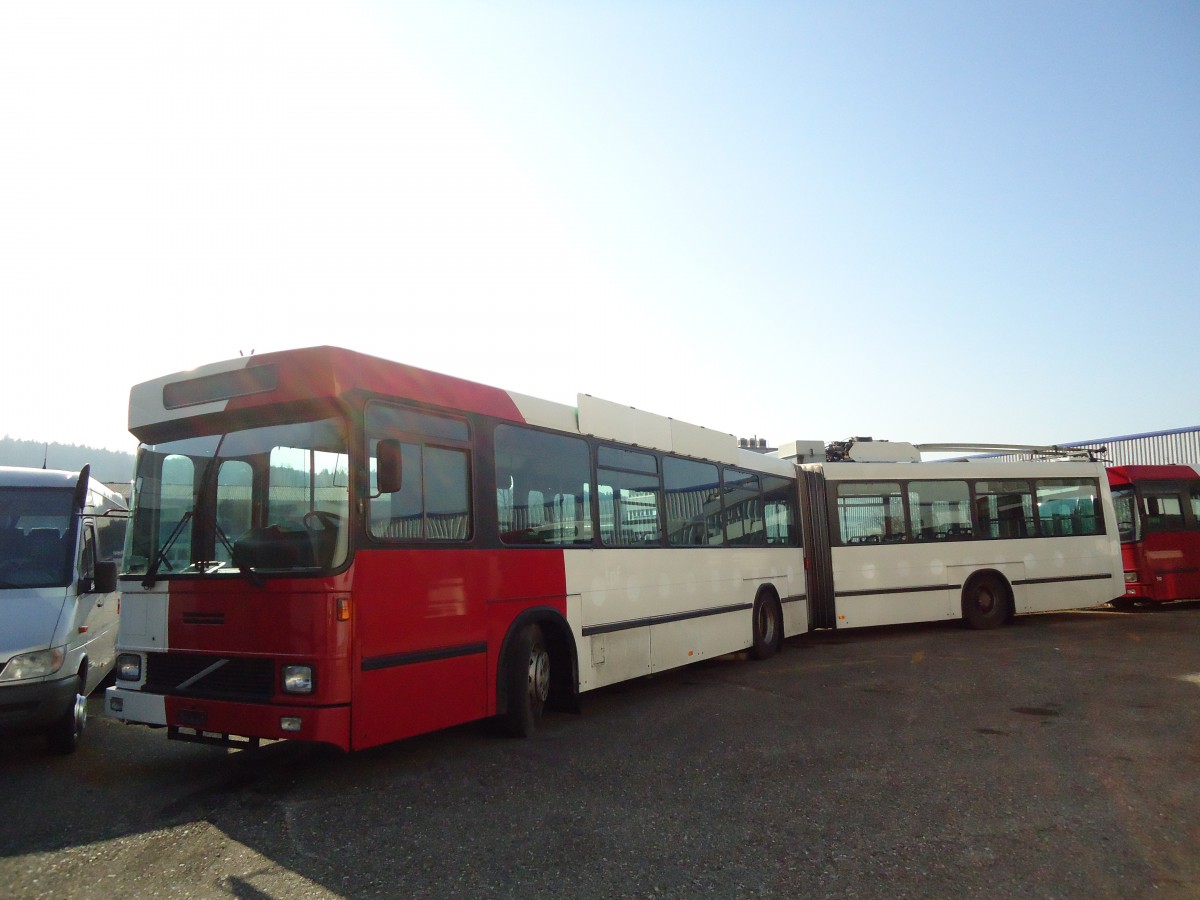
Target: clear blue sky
918 221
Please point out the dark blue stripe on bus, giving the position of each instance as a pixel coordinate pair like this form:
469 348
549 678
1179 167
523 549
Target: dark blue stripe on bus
1101 577
903 590
660 620
420 656
954 587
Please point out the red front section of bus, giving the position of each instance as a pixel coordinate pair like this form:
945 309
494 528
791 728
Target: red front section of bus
257 631
1166 567
405 642
1161 566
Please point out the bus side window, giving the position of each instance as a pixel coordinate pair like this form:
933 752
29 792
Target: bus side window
940 510
693 503
744 524
870 512
1004 509
542 487
779 514
1164 511
630 495
420 468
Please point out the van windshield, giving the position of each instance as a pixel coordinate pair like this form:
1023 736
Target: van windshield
272 499
37 539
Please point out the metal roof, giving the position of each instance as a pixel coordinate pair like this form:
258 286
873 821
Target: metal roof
1175 446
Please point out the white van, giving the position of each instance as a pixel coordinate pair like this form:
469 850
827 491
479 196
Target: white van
61 539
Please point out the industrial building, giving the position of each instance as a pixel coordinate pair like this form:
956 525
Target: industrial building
1177 446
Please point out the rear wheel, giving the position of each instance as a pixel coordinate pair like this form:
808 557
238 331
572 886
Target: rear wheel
1125 604
527 679
67 731
985 602
768 626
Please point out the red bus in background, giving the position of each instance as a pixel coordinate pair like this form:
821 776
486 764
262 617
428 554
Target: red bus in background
1158 518
330 547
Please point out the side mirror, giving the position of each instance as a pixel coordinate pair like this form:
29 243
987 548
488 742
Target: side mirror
389 466
104 577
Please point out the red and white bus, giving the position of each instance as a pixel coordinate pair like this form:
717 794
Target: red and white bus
330 547
1158 517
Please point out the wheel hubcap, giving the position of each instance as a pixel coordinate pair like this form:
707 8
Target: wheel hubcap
80 713
539 675
766 624
985 600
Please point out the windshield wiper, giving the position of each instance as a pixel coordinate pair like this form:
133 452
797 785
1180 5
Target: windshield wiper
161 558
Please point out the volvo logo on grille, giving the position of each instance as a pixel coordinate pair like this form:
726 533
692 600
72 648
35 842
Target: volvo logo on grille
183 685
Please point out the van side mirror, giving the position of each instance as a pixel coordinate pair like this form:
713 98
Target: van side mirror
104 577
389 466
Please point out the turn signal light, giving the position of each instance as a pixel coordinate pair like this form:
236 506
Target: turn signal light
343 609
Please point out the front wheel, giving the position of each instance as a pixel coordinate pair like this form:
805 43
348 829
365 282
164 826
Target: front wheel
67 731
527 680
985 603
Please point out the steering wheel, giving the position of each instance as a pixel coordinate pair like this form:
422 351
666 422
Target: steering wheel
328 521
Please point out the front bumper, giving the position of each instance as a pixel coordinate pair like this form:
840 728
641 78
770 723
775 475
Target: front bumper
34 705
321 724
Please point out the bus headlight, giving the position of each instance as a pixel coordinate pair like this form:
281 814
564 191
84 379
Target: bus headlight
1130 577
298 679
37 664
129 667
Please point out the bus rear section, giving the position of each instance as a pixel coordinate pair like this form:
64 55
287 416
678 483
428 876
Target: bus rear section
1158 518
980 541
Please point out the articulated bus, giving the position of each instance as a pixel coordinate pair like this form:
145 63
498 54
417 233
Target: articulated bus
330 547
895 542
1158 518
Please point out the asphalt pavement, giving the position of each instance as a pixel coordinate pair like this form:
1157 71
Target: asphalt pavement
1054 757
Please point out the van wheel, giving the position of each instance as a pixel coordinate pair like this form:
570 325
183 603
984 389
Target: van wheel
65 734
985 603
527 679
768 626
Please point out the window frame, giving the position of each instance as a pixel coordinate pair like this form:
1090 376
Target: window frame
455 436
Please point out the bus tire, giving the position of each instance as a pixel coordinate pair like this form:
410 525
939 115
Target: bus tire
67 731
767 627
527 680
985 602
1125 604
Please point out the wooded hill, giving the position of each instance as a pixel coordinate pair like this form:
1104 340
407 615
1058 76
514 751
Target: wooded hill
110 466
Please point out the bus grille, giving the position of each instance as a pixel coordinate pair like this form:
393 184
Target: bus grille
249 680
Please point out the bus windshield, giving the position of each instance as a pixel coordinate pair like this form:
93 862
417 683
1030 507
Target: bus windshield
1128 523
259 500
36 537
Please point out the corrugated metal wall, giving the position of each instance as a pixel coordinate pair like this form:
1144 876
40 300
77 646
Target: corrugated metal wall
1155 448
